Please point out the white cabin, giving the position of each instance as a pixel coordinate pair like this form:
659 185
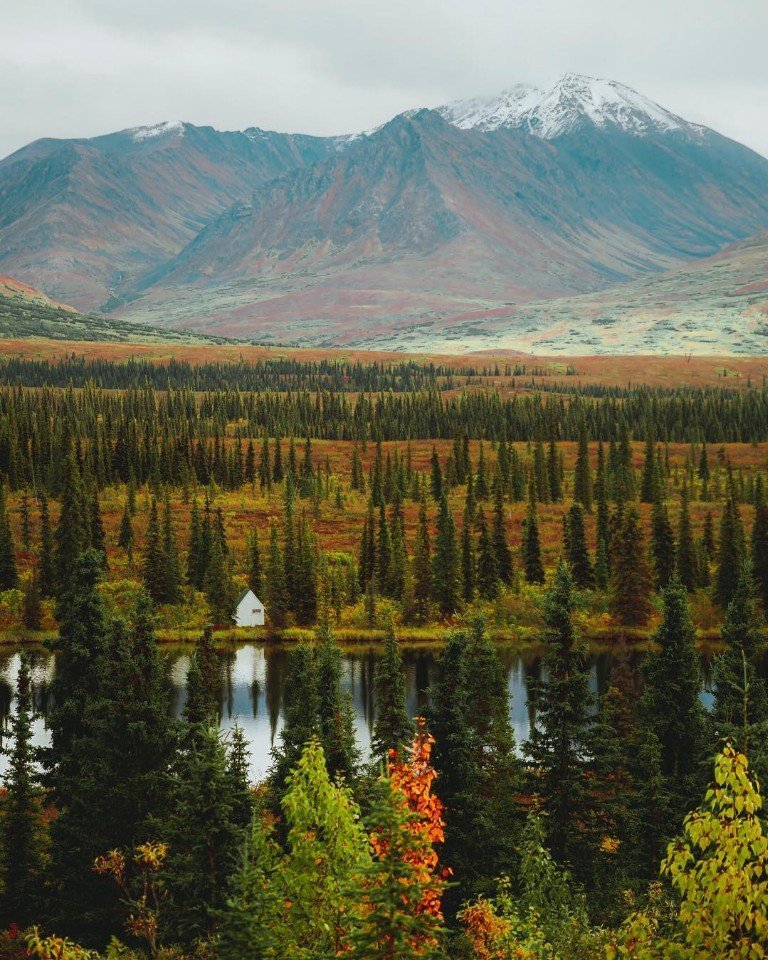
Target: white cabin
249 611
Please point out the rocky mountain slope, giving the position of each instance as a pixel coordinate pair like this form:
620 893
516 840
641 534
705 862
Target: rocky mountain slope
431 220
83 218
436 225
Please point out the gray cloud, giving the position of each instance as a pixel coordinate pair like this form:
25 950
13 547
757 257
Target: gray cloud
82 67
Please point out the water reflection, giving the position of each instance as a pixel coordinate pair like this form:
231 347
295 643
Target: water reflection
253 678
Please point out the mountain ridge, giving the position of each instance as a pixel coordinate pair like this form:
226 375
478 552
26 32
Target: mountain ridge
466 210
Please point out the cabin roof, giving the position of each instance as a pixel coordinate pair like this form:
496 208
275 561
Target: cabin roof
244 594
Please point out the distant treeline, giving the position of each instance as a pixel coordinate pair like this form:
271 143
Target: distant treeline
162 435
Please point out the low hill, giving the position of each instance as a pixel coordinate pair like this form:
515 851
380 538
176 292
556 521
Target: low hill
26 312
715 306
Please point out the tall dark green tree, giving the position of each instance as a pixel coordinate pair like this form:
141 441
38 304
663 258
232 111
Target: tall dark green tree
125 536
686 548
204 835
556 747
533 566
9 574
71 535
501 549
254 563
171 568
276 590
663 547
422 567
740 708
670 708
445 562
300 722
631 579
393 728
577 552
153 565
335 721
82 905
759 550
45 564
730 551
21 852
487 569
474 757
131 734
582 479
650 482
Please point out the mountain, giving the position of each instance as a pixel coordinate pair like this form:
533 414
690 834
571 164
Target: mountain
82 218
573 103
441 218
434 226
26 312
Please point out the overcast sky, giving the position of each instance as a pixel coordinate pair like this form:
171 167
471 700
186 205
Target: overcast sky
83 67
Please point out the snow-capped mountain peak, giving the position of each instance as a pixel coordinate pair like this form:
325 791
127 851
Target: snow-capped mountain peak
573 101
138 134
490 113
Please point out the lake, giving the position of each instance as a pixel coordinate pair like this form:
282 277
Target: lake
253 678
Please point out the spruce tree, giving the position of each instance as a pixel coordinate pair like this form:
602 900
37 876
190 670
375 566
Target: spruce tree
740 708
474 757
335 720
219 590
561 702
204 837
300 722
20 831
686 550
81 904
670 708
276 591
650 482
663 548
730 552
501 549
531 546
9 574
553 472
45 563
468 563
759 550
194 547
393 728
577 553
154 562
97 538
436 477
445 562
487 570
481 478
255 577
131 734
125 537
422 567
171 569
630 575
25 521
71 535
582 479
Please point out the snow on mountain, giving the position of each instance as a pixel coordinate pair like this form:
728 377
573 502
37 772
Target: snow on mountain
573 101
490 113
138 134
